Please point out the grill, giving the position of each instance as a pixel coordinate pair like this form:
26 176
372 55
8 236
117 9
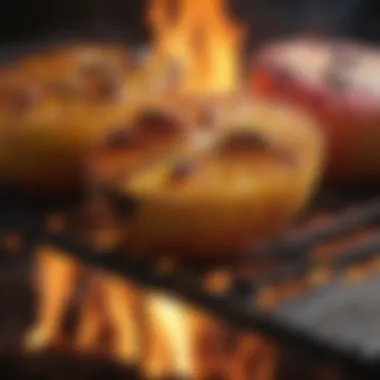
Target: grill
317 297
313 290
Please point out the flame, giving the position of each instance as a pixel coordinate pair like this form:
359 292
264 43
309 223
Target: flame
169 325
200 37
55 281
118 304
160 334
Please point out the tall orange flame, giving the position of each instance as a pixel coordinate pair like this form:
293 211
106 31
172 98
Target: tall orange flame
201 38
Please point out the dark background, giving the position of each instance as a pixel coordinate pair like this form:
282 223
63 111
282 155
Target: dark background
28 19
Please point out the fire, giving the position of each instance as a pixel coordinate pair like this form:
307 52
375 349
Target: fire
161 335
110 299
55 277
199 36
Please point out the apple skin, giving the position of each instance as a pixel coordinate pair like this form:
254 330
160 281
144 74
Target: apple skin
350 120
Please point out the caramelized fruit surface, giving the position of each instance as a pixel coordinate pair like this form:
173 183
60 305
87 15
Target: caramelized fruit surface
55 105
214 189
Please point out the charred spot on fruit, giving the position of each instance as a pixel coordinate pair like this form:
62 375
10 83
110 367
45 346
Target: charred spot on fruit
244 141
155 122
122 204
122 138
181 170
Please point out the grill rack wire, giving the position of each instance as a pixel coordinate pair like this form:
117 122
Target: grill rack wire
238 303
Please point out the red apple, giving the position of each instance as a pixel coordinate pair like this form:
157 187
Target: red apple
339 83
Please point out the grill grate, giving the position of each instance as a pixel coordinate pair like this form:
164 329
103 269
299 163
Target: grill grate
315 286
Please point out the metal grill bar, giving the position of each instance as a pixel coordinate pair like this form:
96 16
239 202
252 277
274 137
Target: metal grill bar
346 316
331 302
292 243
